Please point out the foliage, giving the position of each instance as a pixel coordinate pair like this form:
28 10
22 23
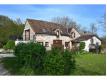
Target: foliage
1 45
26 71
30 55
10 45
86 64
31 59
54 64
82 45
59 63
9 28
69 60
103 42
11 65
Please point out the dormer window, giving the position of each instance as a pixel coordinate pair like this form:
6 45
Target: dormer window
58 32
72 35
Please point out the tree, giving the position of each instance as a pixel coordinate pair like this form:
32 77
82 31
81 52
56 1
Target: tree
29 57
18 21
9 29
93 28
10 45
102 22
65 21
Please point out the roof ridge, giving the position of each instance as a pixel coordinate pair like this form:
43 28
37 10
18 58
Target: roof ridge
45 21
39 25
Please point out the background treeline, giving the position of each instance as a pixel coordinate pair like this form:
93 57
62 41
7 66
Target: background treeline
10 29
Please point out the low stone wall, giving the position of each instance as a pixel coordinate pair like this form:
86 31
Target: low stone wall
3 51
17 42
6 55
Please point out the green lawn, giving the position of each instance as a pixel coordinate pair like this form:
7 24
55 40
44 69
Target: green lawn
90 64
86 64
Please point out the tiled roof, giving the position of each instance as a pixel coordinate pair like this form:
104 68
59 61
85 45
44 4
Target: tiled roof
46 27
85 37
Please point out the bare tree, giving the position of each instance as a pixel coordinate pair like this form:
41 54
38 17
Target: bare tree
93 28
102 22
65 21
18 21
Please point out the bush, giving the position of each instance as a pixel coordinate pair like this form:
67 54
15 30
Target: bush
59 63
26 71
31 59
30 55
1 45
69 60
82 45
54 64
101 47
10 45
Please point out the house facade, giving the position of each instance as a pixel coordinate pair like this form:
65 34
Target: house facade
91 41
49 34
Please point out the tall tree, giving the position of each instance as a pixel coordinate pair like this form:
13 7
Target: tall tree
102 22
65 21
93 28
9 29
18 21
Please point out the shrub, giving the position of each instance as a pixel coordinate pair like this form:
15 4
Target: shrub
82 45
69 60
10 45
31 59
59 63
54 64
26 71
31 55
20 53
101 47
57 47
1 45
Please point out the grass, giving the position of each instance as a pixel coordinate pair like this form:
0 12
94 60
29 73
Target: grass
86 64
90 64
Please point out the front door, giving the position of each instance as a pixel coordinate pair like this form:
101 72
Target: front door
57 43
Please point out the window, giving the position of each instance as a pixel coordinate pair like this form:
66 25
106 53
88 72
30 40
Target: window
72 35
27 34
66 44
58 33
46 44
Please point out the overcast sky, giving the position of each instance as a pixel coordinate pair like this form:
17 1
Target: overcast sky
82 14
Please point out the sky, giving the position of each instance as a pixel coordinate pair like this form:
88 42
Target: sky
82 14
